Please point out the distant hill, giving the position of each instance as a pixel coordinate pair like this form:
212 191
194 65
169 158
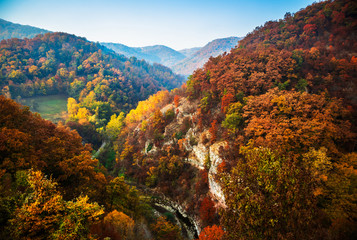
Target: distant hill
130 52
153 54
167 56
199 58
182 62
13 30
188 52
60 63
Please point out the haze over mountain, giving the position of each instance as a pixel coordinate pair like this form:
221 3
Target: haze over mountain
182 62
188 52
167 56
13 30
200 57
158 53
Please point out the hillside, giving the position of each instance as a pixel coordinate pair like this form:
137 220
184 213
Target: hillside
260 143
12 30
131 52
199 58
188 52
153 54
167 56
61 63
51 187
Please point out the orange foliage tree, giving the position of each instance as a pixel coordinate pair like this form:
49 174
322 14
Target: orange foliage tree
44 213
207 211
211 233
165 230
29 141
213 131
176 100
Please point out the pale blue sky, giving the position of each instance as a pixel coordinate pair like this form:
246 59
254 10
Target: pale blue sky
176 23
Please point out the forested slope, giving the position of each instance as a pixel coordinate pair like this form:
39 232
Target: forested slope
62 63
261 141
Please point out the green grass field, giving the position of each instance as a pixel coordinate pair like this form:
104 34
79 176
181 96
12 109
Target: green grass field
53 108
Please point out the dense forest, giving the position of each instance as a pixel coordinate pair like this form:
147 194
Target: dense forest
98 82
52 188
258 144
61 63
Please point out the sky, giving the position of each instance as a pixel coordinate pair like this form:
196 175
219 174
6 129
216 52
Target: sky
177 24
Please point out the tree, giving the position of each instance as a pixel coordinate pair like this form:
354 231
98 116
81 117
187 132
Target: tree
293 122
72 108
207 211
118 225
213 131
176 100
45 214
42 210
211 233
115 125
226 100
165 230
270 196
79 216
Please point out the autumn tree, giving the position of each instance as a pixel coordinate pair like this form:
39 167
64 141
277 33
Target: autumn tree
272 196
165 230
213 131
45 214
115 125
176 100
294 121
118 225
124 198
226 100
207 211
29 141
213 232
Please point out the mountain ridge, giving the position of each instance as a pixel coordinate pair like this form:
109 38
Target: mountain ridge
182 62
14 30
199 58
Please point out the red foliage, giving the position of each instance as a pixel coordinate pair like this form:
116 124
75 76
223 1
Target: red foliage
207 211
310 29
211 233
278 54
213 131
222 167
28 141
177 100
202 184
226 100
200 119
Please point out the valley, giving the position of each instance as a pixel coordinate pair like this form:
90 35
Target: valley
241 139
53 107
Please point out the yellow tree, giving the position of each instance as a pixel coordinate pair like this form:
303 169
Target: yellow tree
44 213
115 125
72 108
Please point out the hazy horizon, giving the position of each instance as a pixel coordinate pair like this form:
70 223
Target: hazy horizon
176 24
